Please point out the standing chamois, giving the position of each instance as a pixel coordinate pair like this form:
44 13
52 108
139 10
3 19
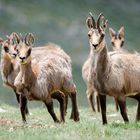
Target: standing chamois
115 75
117 40
10 69
41 80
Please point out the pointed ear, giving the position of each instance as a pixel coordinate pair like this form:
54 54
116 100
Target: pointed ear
121 32
29 39
89 22
112 32
16 37
104 24
1 41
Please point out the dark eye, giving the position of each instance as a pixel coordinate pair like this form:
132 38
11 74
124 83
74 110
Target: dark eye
17 50
102 35
89 35
119 37
6 49
112 43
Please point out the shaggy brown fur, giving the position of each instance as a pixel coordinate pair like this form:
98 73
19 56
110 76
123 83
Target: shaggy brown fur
88 78
54 74
9 70
116 75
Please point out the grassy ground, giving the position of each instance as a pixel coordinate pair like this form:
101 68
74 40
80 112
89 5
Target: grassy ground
40 125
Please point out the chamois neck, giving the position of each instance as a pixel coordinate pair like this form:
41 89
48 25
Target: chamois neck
6 64
27 74
101 60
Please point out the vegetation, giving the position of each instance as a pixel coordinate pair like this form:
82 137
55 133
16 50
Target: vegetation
41 126
63 22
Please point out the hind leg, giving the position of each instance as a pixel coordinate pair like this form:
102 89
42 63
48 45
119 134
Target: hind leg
122 104
74 113
61 99
138 112
90 100
98 103
66 103
50 108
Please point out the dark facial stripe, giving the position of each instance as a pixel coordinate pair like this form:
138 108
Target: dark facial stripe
101 38
122 43
28 53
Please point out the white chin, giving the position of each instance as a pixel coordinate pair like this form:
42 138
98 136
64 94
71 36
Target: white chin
23 62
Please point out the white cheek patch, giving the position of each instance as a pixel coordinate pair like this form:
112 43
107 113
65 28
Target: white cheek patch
95 39
117 44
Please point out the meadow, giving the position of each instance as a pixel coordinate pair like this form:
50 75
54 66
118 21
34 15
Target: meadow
63 22
41 126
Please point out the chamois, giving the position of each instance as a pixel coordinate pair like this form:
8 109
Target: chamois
88 78
41 80
116 75
117 38
9 69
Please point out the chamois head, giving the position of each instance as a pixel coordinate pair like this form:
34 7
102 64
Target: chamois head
9 46
96 32
24 47
117 39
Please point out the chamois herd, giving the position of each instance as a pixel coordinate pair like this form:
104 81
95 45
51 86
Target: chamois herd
45 73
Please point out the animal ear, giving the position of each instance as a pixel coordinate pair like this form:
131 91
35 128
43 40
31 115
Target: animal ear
105 24
16 38
112 32
121 32
29 39
89 22
1 41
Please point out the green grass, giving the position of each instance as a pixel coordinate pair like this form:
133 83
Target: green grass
41 126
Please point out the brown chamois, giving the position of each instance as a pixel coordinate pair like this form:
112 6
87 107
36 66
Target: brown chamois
41 80
92 96
9 69
117 38
115 75
51 48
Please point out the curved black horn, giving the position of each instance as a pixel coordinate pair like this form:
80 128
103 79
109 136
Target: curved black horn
98 21
93 21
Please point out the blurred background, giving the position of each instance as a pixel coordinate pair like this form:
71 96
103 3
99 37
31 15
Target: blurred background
63 22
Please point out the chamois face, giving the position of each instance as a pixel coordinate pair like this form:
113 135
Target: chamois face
95 39
96 32
9 47
24 48
117 39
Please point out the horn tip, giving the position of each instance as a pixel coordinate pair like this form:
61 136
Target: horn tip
90 13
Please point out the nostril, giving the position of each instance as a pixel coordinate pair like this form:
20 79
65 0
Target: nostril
95 45
22 58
